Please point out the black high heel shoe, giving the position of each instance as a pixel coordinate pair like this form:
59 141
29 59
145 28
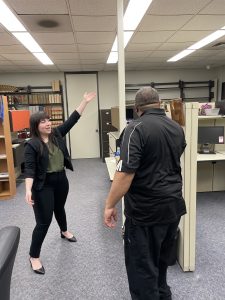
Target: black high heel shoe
40 271
72 239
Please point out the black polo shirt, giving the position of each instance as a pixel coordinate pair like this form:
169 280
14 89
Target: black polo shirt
151 148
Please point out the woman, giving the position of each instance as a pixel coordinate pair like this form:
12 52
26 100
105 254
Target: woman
47 186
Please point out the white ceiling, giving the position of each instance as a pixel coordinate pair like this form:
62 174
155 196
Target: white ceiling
87 28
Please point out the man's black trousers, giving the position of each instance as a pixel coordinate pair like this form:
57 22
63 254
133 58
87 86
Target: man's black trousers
50 199
147 253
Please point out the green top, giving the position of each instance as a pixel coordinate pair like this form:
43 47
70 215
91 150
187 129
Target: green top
56 158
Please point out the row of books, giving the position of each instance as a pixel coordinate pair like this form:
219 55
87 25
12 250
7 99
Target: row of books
56 123
54 112
18 99
44 98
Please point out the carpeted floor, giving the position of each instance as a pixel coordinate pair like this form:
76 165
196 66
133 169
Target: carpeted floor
93 268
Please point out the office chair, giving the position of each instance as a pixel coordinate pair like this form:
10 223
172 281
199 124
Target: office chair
9 240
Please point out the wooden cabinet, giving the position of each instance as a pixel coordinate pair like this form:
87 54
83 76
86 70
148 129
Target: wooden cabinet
7 174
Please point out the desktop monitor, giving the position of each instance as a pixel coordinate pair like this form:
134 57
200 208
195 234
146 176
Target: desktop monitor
221 106
210 135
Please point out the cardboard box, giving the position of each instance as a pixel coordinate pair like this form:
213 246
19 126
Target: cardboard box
115 117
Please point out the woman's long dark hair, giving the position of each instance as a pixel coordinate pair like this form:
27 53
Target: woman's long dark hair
35 120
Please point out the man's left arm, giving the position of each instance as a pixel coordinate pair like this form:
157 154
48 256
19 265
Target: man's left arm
120 186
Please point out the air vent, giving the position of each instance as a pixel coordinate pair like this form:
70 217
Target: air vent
219 45
48 23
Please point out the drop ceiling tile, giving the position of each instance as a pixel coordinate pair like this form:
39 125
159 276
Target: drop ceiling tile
34 67
142 47
14 56
55 56
60 48
176 7
7 39
68 62
174 46
97 67
216 7
188 36
157 23
204 53
95 37
92 8
155 59
18 49
205 22
32 23
164 54
70 68
101 55
72 65
94 23
95 48
93 61
54 38
152 37
136 54
6 63
9 68
39 7
134 60
33 62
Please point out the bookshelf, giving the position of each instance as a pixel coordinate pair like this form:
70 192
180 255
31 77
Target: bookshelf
40 98
7 173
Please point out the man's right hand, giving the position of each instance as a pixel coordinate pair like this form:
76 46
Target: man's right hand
110 217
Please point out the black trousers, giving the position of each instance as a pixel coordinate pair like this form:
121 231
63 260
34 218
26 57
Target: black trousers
50 199
147 251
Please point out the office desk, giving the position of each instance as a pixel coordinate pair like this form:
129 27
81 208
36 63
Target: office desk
211 172
220 155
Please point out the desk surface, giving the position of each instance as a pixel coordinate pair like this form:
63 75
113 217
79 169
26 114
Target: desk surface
220 155
111 166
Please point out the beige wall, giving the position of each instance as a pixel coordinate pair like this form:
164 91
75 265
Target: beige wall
108 95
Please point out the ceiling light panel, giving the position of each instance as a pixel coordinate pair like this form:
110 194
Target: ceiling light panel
28 41
9 20
208 39
181 55
43 57
134 13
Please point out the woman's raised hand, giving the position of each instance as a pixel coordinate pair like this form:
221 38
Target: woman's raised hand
88 97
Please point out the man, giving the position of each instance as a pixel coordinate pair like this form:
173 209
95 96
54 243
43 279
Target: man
149 177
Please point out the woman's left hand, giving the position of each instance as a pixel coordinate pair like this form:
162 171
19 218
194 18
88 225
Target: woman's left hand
88 97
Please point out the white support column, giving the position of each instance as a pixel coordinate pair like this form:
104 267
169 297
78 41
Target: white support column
121 66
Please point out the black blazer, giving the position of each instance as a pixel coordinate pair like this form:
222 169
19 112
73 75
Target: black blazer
36 155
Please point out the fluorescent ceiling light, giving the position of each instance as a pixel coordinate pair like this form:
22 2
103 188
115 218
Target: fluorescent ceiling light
43 57
181 55
113 58
28 41
208 39
9 20
127 37
134 13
